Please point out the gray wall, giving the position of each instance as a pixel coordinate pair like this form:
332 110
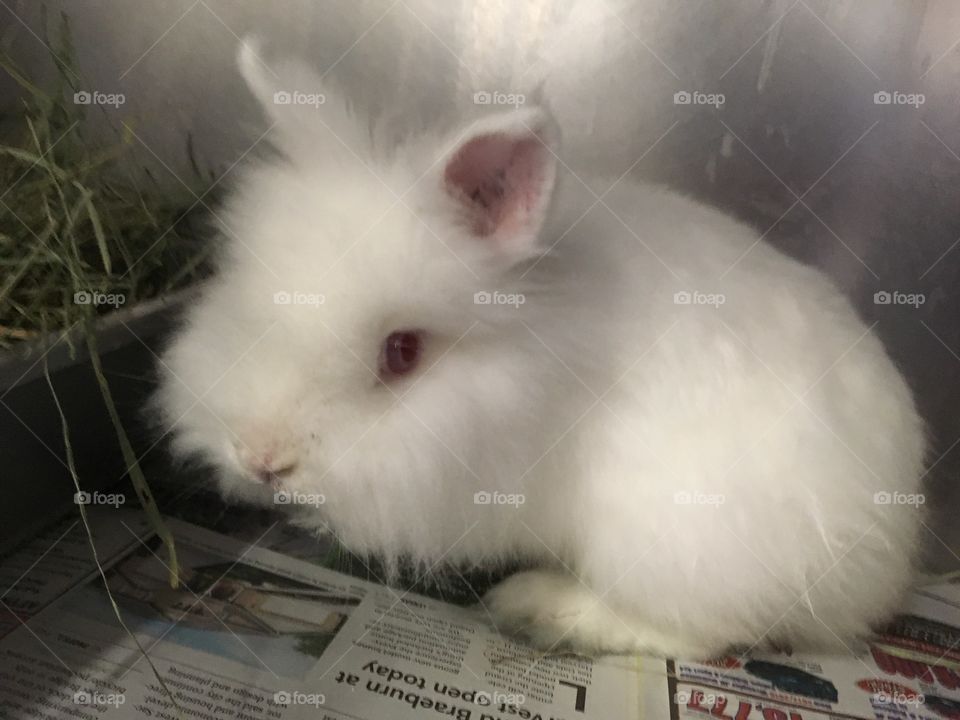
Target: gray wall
878 184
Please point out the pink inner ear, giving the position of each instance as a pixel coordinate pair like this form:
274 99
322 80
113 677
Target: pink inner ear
499 180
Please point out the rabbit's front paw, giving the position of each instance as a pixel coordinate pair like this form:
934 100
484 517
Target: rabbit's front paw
556 612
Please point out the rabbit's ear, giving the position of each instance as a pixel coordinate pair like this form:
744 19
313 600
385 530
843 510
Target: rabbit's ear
309 116
501 175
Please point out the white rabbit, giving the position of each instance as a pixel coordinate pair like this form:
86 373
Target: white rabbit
473 360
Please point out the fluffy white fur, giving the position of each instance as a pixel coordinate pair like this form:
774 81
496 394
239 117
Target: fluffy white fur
600 399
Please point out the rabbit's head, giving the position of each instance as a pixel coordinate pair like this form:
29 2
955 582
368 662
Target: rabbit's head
352 347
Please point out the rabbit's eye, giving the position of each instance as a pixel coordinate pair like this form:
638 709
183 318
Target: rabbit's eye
401 353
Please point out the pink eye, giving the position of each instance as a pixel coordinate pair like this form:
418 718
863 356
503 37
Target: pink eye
401 352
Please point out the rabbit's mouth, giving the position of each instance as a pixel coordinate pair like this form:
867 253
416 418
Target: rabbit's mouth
275 478
269 462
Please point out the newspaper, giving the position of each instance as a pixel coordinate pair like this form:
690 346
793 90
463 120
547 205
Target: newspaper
255 634
43 569
911 671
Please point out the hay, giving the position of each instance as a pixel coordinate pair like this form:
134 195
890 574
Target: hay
81 227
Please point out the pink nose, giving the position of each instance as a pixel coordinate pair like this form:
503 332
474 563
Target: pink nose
270 473
267 466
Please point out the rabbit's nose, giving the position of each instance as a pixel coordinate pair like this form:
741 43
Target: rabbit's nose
270 474
267 466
